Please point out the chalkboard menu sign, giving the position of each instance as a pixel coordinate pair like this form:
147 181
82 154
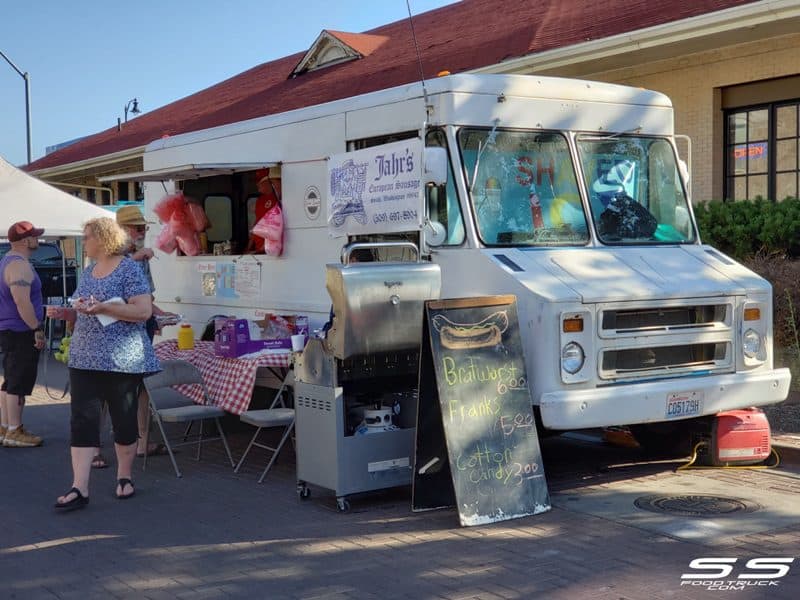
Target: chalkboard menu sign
476 445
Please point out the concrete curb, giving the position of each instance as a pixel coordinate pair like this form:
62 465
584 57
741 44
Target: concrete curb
788 448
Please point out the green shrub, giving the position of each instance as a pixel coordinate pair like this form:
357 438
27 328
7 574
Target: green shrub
746 229
765 236
783 273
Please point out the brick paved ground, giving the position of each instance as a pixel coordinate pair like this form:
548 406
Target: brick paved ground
216 534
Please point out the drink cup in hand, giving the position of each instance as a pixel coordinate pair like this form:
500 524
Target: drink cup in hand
55 311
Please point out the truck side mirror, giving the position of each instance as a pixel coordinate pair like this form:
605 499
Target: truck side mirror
435 165
435 233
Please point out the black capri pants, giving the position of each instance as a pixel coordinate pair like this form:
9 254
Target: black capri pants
20 362
89 391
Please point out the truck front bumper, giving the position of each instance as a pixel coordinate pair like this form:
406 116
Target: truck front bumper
647 402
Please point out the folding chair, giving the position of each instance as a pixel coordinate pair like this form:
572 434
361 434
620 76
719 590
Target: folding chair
167 405
267 418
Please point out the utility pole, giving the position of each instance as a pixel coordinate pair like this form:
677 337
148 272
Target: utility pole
26 76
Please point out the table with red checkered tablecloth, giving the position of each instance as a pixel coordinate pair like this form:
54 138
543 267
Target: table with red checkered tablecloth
229 381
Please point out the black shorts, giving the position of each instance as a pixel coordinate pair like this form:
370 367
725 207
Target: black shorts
89 391
20 361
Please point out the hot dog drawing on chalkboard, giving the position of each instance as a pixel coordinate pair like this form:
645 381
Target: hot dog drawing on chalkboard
464 336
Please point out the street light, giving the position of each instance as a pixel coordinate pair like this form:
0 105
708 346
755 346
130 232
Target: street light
134 110
27 79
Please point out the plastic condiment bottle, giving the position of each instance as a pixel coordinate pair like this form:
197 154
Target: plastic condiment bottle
185 337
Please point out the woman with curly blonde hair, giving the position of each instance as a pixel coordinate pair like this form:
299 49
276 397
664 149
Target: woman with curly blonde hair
109 355
112 239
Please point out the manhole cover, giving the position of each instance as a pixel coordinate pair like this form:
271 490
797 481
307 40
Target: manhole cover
696 506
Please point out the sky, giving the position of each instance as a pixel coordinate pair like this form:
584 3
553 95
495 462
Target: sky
87 58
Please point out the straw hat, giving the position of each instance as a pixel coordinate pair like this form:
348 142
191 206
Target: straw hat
130 215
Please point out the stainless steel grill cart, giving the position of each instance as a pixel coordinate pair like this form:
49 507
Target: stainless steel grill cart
355 391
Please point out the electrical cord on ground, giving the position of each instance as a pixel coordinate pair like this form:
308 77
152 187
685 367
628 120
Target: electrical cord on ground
48 341
693 459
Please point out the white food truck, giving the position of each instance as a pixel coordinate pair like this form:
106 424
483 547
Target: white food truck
568 194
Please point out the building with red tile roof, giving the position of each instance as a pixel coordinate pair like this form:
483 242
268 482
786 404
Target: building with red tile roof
693 50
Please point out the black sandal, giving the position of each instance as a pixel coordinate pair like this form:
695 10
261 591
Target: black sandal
79 501
121 483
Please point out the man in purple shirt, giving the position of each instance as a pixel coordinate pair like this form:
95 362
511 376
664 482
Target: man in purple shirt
21 332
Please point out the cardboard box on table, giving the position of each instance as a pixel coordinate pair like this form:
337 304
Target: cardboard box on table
232 336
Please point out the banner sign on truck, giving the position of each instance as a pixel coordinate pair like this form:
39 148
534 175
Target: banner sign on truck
376 190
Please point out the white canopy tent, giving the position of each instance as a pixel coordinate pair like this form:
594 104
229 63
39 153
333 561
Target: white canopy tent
25 198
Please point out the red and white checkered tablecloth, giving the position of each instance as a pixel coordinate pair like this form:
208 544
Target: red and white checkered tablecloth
229 381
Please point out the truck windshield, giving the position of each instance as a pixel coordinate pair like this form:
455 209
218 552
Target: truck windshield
524 190
635 191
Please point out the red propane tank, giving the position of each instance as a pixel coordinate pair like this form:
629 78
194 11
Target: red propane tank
740 437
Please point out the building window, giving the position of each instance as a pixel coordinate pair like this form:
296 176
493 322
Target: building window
762 145
122 190
787 149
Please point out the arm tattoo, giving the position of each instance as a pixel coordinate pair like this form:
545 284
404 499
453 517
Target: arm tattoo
21 283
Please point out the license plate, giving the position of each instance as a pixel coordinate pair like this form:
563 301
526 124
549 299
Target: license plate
684 404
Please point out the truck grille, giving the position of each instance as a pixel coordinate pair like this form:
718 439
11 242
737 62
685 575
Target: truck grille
657 341
672 319
665 359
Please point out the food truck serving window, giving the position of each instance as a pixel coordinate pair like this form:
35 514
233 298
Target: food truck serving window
221 190
228 204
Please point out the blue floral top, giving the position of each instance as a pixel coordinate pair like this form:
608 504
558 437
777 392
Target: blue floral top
121 346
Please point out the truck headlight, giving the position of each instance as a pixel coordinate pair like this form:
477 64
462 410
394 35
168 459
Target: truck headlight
572 358
751 343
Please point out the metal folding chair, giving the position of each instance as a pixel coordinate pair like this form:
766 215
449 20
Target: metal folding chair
268 418
167 405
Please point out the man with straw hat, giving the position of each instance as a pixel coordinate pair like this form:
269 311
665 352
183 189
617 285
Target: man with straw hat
131 219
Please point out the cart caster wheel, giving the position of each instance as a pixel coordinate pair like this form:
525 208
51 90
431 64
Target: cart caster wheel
342 504
303 491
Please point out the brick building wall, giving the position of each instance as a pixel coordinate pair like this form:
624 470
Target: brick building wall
694 84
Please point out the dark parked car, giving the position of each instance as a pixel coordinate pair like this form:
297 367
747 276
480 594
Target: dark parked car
47 262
